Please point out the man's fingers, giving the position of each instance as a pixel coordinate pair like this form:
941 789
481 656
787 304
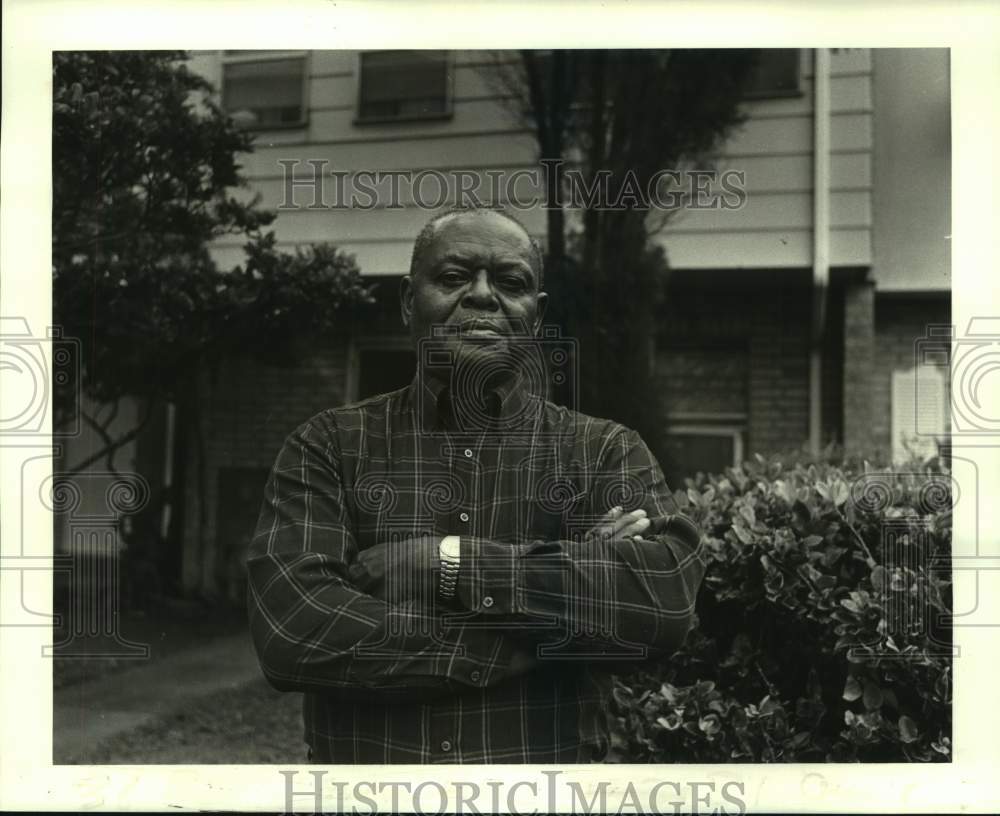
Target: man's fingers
619 524
628 519
633 529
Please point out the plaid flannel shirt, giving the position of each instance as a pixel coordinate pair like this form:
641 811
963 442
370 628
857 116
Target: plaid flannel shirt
517 667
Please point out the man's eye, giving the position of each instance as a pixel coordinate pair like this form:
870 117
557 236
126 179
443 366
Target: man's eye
513 284
452 278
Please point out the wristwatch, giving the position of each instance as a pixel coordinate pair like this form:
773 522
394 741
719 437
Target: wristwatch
448 553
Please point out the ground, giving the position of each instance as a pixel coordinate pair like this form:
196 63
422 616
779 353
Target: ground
254 725
197 698
167 629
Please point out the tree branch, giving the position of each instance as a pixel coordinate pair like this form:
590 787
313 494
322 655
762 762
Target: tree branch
124 439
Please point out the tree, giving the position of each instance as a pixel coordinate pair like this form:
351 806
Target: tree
619 117
145 176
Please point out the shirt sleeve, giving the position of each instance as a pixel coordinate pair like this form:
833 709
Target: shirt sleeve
314 631
586 597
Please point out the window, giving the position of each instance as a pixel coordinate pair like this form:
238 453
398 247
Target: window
776 74
378 365
709 446
265 89
400 85
919 412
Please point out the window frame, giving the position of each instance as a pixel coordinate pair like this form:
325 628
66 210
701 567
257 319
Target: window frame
369 342
268 56
790 93
733 425
449 91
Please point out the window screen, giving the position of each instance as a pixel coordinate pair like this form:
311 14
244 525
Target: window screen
266 92
776 74
403 84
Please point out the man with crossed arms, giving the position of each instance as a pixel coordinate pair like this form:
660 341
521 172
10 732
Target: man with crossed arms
416 569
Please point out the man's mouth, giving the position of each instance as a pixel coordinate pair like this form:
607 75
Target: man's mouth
481 330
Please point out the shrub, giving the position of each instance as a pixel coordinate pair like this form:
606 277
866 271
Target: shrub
822 631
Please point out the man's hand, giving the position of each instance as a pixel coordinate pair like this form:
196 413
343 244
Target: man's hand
398 571
619 526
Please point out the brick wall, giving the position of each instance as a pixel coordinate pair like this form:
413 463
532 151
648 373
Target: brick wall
859 353
758 335
248 408
721 349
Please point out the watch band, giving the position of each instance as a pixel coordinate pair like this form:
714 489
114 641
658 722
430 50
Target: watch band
449 554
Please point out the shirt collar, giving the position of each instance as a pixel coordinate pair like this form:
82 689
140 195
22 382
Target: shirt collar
507 404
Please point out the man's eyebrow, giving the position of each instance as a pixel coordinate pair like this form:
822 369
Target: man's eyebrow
463 258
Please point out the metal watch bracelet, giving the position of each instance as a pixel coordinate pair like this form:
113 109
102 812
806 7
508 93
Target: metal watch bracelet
449 555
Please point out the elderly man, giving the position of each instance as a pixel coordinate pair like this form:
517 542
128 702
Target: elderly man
451 571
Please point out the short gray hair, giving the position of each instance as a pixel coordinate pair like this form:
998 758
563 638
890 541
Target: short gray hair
426 235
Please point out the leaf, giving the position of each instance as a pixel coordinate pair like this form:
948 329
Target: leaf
671 724
907 729
823 489
873 696
747 512
941 685
669 693
800 739
851 606
785 491
801 514
840 492
852 689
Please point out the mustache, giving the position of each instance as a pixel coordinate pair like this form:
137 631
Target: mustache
499 325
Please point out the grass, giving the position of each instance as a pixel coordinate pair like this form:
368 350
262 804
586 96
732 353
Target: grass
253 725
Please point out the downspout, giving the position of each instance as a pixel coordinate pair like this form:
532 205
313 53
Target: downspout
821 240
168 470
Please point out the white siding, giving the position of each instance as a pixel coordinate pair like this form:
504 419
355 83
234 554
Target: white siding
774 149
912 193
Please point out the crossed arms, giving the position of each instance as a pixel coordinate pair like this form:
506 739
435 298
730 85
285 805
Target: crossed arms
365 625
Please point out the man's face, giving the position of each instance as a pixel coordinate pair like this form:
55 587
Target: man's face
476 279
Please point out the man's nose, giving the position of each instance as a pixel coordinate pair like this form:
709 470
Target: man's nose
480 293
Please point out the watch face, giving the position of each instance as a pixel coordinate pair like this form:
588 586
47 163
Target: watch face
450 547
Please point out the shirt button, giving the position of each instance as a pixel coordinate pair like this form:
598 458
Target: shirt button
464 516
475 676
446 746
468 453
488 601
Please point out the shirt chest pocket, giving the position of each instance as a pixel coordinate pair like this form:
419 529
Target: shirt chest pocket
557 510
393 503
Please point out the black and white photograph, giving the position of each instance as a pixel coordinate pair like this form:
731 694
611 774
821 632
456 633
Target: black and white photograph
602 410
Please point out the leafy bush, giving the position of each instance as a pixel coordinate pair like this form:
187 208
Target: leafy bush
822 630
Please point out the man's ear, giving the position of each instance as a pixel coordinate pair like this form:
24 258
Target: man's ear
541 301
406 299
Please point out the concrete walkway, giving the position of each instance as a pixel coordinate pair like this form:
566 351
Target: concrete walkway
91 712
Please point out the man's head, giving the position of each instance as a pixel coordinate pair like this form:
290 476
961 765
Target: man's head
478 273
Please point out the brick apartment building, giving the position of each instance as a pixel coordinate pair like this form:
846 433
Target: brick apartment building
792 320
